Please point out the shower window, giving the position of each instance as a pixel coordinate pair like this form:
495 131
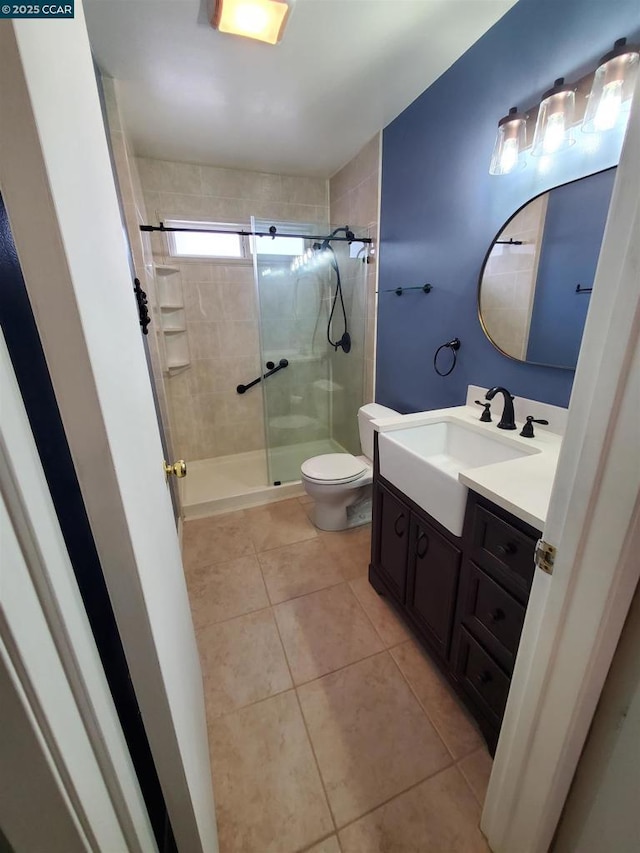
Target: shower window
199 243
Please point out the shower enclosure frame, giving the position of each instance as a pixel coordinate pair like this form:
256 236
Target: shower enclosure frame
223 483
292 437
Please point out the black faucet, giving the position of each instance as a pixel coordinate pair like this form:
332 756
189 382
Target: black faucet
507 421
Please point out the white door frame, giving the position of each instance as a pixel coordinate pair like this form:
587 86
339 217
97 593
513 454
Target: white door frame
61 736
58 186
575 617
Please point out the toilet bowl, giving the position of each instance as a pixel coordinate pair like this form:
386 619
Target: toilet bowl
339 483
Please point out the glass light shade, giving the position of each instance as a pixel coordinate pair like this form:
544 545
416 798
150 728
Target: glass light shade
510 140
263 20
554 127
612 88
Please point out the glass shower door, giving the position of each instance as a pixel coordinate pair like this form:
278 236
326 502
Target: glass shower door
309 404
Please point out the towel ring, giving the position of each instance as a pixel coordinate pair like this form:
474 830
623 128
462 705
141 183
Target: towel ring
454 346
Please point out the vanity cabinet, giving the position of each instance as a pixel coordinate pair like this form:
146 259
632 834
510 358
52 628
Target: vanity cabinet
465 597
417 563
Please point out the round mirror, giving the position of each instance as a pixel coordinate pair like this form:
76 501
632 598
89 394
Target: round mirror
537 276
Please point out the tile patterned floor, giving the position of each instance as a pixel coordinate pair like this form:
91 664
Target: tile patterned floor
330 730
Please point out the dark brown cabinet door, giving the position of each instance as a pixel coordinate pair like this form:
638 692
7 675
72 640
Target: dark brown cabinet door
434 568
393 542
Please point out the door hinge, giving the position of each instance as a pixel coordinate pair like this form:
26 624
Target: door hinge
545 556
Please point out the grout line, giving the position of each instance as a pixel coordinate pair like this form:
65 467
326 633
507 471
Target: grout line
234 618
206 625
340 668
287 544
424 710
317 763
464 775
319 841
396 796
473 795
251 704
303 594
357 597
370 620
306 728
426 713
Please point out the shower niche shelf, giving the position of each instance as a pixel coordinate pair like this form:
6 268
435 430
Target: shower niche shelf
177 350
172 319
173 322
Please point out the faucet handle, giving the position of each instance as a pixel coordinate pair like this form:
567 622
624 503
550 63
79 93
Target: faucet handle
527 429
485 417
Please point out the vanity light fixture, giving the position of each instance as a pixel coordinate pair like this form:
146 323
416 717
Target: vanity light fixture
263 20
554 127
599 102
510 141
613 85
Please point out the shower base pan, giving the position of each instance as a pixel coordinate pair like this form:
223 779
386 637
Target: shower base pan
226 483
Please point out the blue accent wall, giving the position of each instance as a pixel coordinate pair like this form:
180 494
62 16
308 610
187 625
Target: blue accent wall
573 228
441 209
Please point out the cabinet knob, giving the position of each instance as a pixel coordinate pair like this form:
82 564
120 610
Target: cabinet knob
504 550
485 677
400 531
421 552
498 615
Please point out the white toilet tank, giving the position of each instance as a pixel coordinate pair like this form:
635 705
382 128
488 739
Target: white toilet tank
366 414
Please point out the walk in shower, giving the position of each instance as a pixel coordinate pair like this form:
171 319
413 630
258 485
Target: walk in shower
310 303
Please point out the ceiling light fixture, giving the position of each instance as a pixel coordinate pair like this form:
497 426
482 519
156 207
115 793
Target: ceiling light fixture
510 141
613 85
263 20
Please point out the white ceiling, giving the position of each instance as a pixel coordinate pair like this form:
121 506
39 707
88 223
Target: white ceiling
344 70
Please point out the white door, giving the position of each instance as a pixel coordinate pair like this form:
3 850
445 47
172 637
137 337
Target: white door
67 782
57 183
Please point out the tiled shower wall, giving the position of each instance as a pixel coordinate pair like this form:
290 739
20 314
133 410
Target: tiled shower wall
354 194
209 417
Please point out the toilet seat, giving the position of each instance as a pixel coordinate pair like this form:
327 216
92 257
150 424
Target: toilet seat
333 468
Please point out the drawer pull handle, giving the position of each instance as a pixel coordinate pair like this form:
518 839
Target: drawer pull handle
397 522
485 677
498 615
422 553
504 550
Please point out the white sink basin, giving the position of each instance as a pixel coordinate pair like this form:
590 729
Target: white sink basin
424 463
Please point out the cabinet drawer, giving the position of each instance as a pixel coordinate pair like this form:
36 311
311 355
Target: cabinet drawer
491 614
482 678
503 551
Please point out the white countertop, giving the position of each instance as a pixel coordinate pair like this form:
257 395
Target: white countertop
521 486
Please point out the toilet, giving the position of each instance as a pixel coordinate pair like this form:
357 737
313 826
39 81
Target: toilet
339 483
